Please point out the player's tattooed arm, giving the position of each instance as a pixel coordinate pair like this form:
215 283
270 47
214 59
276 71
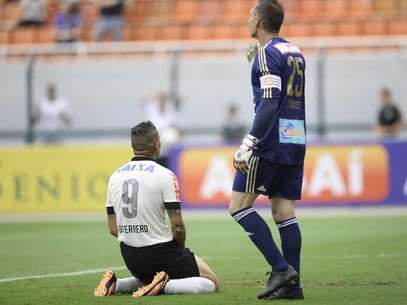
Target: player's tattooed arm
177 226
111 223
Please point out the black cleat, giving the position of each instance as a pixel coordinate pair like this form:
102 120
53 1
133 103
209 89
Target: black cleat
287 293
278 280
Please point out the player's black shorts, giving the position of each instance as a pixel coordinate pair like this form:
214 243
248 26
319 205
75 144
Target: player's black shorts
145 262
271 179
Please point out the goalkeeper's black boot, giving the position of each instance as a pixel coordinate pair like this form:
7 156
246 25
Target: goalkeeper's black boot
287 293
278 280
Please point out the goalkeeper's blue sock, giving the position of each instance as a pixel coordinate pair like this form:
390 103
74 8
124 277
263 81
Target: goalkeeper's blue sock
290 235
260 234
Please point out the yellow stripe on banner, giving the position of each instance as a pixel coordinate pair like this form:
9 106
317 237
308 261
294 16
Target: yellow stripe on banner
57 178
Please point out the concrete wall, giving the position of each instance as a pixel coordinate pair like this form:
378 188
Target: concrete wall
105 94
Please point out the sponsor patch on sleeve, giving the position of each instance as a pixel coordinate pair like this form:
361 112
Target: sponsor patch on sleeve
292 131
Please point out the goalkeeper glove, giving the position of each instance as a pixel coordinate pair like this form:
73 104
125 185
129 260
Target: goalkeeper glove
244 153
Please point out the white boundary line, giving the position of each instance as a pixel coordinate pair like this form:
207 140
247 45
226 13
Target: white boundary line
44 276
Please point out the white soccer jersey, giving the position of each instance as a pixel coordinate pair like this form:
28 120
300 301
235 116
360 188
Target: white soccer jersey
51 114
138 192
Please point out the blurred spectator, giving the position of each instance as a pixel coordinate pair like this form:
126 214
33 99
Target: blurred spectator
389 120
160 110
52 116
32 13
110 20
67 22
234 130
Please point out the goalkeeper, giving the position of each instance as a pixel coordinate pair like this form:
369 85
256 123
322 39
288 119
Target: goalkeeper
271 157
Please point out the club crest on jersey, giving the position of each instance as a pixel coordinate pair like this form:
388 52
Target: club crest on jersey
292 131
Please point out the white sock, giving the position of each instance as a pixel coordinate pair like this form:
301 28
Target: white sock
189 285
127 285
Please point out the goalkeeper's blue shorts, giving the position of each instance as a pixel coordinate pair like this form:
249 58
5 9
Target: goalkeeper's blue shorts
270 179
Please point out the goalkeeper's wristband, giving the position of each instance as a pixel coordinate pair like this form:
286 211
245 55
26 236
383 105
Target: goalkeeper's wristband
250 141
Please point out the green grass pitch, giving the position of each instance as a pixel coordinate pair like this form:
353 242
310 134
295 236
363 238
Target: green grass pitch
345 261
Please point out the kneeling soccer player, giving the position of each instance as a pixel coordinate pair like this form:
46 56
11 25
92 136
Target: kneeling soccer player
138 195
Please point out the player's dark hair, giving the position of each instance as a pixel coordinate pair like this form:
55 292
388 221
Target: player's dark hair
144 137
271 15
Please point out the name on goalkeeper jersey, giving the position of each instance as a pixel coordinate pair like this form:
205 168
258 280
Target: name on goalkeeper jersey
128 229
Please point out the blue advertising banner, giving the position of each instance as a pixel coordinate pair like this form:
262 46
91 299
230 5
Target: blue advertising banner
334 174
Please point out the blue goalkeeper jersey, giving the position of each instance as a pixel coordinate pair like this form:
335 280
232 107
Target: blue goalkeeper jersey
278 76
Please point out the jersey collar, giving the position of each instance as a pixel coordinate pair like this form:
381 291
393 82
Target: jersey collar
276 40
142 159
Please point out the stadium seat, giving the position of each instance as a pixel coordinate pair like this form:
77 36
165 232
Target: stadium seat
4 37
225 31
160 9
387 7
237 10
361 7
138 11
173 32
147 33
336 8
311 8
349 28
198 32
23 35
374 27
185 10
403 7
46 34
242 31
397 27
210 11
298 29
324 29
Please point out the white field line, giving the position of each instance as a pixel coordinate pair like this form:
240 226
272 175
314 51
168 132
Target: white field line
209 258
44 276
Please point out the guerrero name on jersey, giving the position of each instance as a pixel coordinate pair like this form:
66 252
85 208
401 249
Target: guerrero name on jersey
278 76
138 192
